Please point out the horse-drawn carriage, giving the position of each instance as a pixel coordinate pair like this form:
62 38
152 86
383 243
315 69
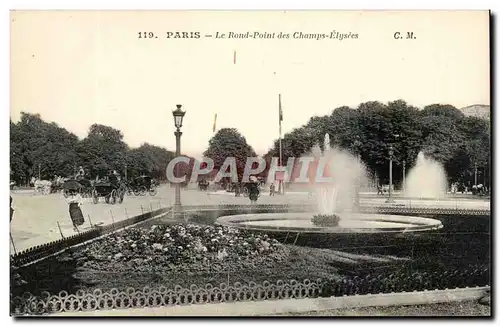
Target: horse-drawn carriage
82 186
56 186
112 190
252 190
142 185
203 185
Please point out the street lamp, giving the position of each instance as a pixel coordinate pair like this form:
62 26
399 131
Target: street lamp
391 152
475 174
178 116
404 177
357 145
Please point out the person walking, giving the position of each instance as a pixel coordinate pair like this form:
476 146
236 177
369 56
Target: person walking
11 209
272 189
75 212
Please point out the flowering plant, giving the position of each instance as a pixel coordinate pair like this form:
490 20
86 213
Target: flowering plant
168 246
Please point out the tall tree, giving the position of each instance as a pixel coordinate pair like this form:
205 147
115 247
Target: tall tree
103 150
148 159
228 142
38 147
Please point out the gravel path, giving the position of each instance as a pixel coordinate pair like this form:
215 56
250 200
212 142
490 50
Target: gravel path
464 308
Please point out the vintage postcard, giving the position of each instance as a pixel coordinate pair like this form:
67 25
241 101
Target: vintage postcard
250 163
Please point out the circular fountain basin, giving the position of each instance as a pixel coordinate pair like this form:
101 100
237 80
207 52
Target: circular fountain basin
349 223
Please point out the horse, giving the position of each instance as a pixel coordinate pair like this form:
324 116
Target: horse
42 186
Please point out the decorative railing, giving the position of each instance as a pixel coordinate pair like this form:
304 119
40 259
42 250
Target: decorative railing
162 296
425 211
362 209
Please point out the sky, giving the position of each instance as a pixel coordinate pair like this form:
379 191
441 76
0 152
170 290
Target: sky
80 68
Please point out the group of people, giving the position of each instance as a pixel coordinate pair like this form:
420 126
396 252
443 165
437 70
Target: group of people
478 189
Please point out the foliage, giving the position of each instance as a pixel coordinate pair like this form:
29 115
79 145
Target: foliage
148 159
103 150
38 147
440 131
228 142
326 220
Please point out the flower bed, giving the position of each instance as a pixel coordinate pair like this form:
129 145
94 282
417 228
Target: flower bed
165 247
193 254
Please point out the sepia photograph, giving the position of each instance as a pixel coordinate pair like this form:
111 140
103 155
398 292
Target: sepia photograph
271 163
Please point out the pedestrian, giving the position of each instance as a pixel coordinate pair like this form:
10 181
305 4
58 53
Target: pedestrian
75 212
253 192
11 209
237 189
272 189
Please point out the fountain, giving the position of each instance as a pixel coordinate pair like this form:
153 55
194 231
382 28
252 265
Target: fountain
335 210
427 179
345 171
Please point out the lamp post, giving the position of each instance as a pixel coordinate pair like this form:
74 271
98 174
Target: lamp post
475 174
357 144
178 116
404 177
391 152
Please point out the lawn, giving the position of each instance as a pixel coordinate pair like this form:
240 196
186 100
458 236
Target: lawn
201 253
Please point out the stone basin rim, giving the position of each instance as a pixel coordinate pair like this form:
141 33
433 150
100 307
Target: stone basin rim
400 223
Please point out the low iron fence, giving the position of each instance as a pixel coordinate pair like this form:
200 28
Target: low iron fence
41 251
161 296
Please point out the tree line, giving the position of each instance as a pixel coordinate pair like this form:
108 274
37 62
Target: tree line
461 143
39 148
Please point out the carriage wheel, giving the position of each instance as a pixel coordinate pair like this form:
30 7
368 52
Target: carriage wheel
112 197
152 191
121 194
95 197
143 190
65 193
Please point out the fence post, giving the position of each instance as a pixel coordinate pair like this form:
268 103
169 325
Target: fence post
126 213
151 207
112 219
90 221
13 245
142 210
60 231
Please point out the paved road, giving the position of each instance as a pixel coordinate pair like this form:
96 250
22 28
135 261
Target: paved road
36 216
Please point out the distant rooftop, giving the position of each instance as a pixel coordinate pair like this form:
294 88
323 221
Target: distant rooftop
477 110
